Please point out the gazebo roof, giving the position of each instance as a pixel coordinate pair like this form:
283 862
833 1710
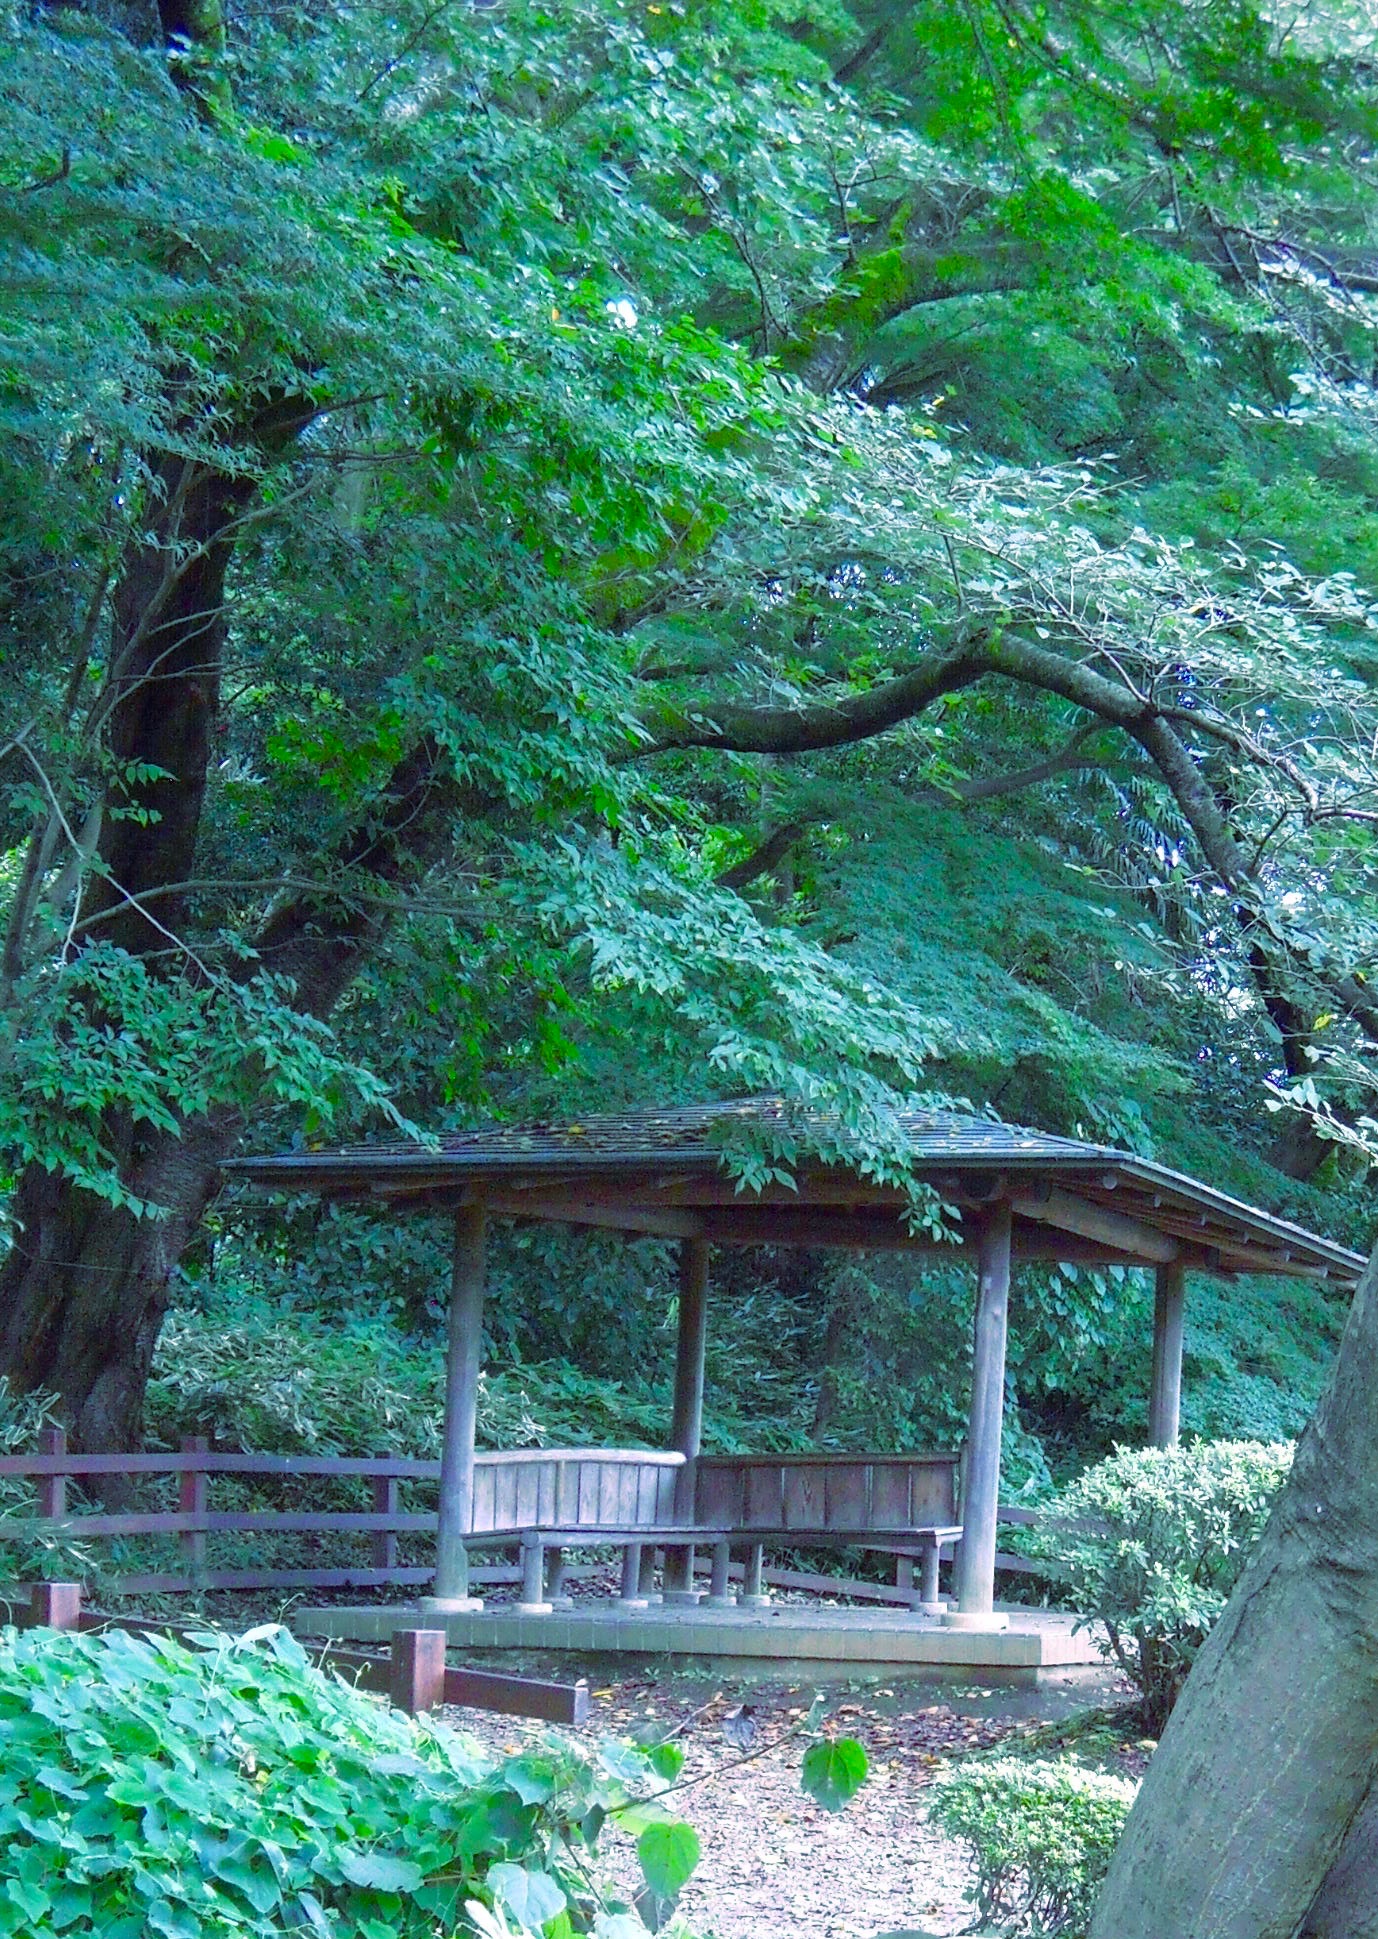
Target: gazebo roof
662 1172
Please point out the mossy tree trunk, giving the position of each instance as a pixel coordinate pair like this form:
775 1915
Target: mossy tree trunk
1252 1822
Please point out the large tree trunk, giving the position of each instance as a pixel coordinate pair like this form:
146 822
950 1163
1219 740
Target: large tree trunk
1252 1822
85 1289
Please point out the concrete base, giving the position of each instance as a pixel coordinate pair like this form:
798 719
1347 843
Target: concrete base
534 1608
682 1598
1027 1640
450 1605
976 1622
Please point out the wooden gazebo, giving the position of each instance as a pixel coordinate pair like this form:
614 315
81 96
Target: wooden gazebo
1016 1194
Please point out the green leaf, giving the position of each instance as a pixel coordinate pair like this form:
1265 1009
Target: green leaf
531 1897
667 1760
834 1771
380 1870
668 1851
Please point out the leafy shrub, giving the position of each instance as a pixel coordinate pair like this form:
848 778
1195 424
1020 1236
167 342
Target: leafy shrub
1152 1541
1041 1835
231 1789
26 1550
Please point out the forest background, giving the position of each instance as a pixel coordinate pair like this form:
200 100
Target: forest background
571 556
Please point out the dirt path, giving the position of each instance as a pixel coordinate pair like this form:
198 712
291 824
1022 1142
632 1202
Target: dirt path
773 1863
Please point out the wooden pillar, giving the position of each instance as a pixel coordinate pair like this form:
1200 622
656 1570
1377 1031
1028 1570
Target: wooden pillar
461 1410
686 1424
981 1493
192 1500
416 1670
1165 1398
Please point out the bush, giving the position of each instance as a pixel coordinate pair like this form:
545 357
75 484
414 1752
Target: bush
27 1550
148 1788
1156 1542
1041 1836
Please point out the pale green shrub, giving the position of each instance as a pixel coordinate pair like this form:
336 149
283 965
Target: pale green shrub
1041 1836
1149 1545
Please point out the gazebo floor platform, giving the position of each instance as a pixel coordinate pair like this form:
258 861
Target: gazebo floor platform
1036 1639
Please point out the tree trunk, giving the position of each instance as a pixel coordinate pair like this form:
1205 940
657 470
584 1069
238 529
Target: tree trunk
1251 1823
85 1289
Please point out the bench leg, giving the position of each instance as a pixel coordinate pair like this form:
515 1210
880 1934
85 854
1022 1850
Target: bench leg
632 1565
927 1602
533 1602
753 1594
646 1585
556 1593
720 1595
679 1577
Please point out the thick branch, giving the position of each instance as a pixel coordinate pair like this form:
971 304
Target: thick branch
978 648
763 859
854 717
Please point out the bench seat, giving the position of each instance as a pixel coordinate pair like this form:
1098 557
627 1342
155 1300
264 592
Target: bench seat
544 1500
549 1540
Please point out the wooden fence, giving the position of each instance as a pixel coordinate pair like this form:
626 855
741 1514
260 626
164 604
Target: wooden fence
195 1466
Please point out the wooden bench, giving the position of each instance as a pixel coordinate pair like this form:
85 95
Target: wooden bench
548 1500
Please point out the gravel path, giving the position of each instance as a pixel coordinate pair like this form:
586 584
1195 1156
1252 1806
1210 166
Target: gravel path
773 1863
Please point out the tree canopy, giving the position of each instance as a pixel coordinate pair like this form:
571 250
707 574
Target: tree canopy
618 550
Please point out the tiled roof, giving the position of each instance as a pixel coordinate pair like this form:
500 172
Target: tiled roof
628 1157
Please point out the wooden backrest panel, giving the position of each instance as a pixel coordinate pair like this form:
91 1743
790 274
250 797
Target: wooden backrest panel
573 1488
817 1493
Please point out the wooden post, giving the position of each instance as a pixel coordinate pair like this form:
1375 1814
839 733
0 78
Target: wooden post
191 1500
533 1598
387 1496
416 1669
753 1592
981 1495
51 1488
632 1596
686 1424
55 1605
928 1576
451 1593
720 1594
1165 1398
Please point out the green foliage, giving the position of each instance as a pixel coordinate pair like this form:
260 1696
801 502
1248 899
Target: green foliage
651 379
833 1771
1041 1835
668 1854
30 1551
230 1788
1150 1543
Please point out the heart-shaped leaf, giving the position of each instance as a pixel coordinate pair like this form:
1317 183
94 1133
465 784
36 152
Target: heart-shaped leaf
834 1771
668 1853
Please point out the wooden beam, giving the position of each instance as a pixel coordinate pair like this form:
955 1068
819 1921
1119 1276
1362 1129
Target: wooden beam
1088 1221
686 1424
655 1221
981 1484
464 1357
1165 1399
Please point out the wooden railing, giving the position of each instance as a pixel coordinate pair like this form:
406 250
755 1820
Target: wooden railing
821 1492
580 1486
572 1487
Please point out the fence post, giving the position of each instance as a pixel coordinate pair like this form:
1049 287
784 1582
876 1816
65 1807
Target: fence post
386 1498
416 1669
52 1488
191 1500
55 1605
